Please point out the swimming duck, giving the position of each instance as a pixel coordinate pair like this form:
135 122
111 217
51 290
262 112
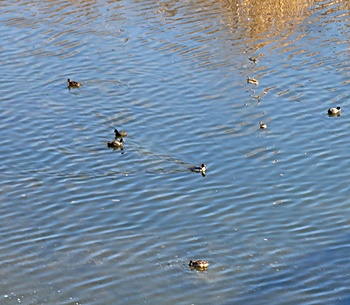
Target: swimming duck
252 81
72 84
262 125
253 59
116 143
120 134
199 169
199 264
334 111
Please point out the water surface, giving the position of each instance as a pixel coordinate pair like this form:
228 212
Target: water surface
83 224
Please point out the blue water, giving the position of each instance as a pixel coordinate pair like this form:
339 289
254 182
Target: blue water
84 224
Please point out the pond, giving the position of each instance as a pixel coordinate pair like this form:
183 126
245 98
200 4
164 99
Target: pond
189 81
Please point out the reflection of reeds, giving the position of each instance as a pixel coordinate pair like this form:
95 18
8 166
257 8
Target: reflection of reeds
266 16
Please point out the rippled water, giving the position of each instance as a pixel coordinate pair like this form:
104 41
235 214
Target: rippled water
83 224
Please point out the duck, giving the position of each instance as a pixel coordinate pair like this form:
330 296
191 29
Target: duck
262 125
253 59
120 134
252 81
73 84
116 143
199 264
334 111
199 169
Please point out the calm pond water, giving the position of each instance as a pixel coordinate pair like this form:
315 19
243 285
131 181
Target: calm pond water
84 224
